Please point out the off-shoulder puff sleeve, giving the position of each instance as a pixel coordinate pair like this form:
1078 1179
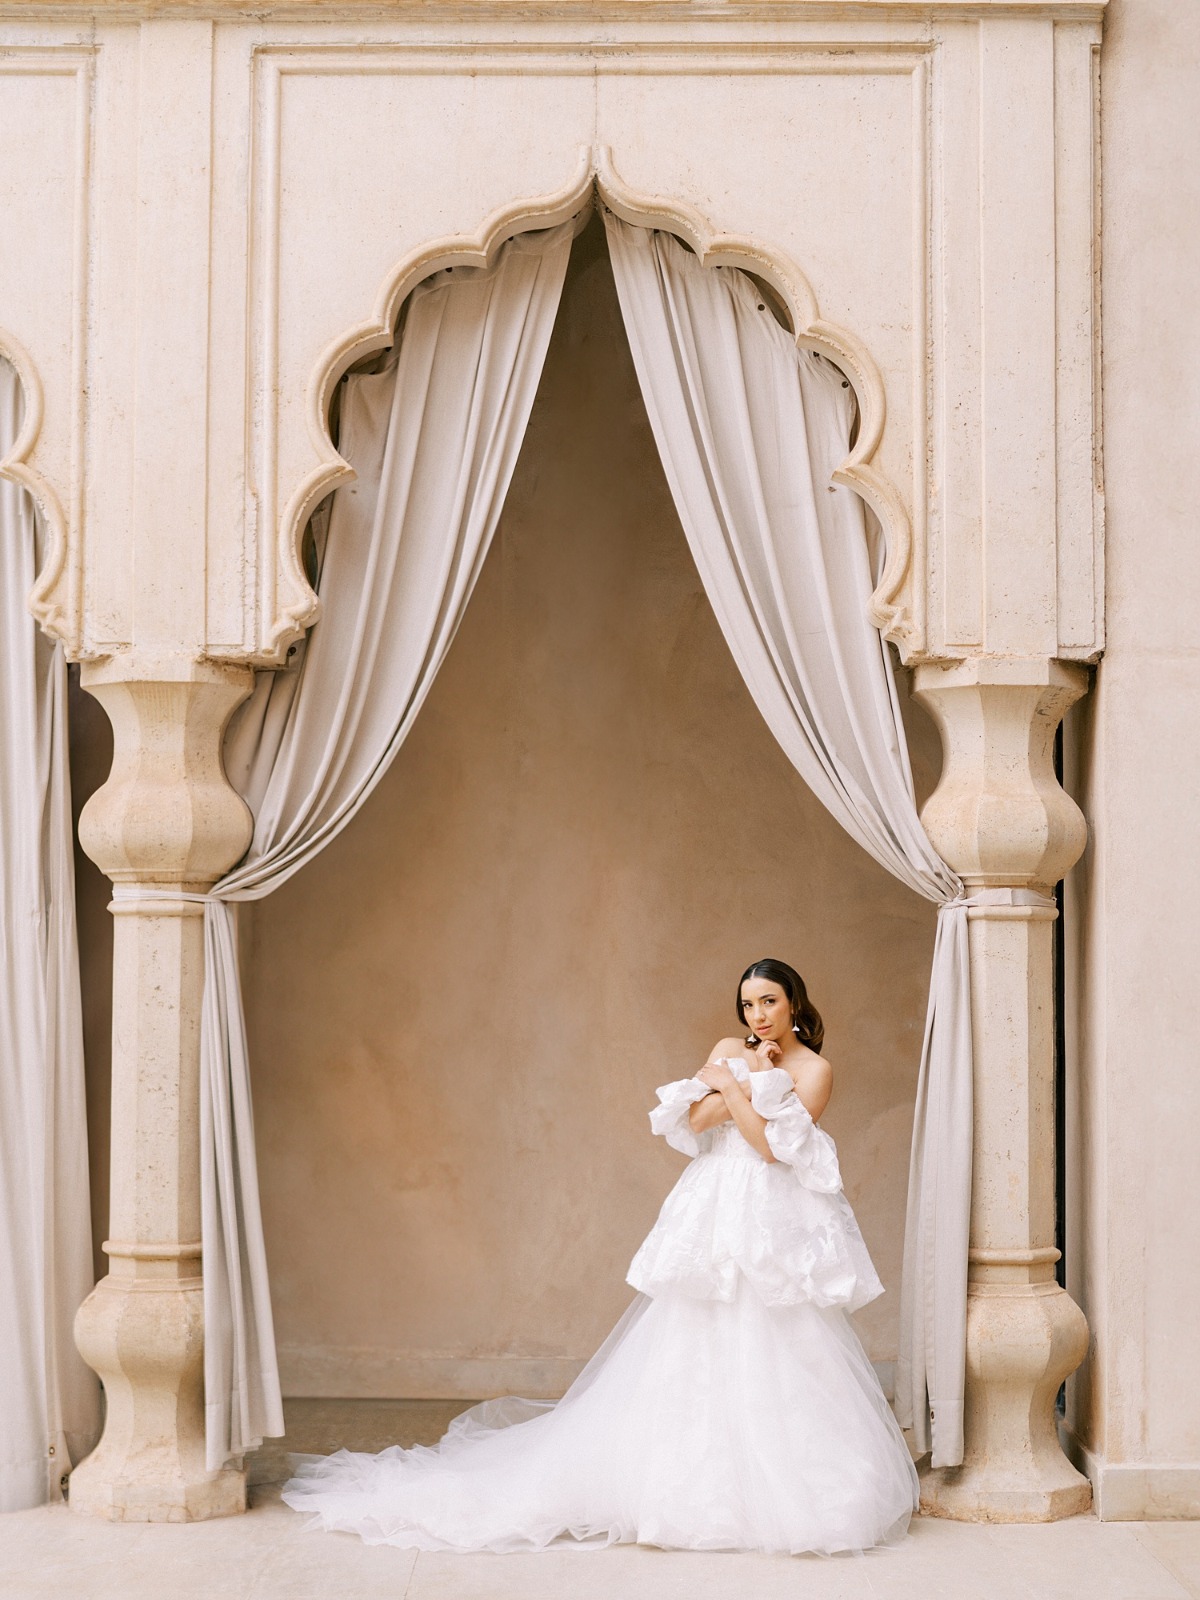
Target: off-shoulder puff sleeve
670 1117
792 1135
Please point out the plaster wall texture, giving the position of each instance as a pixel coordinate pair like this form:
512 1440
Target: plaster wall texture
1134 1093
459 1012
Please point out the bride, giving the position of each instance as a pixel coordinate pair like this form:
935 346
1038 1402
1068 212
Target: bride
732 1407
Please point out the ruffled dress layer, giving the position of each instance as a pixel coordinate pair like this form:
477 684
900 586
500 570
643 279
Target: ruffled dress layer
731 1408
784 1227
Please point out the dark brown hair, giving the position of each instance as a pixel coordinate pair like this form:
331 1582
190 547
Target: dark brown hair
806 1019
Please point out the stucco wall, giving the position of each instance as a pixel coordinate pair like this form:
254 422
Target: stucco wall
1134 1101
458 1014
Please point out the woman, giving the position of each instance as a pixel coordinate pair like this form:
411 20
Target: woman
732 1407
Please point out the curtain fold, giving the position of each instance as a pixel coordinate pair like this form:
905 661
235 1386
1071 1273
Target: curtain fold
434 440
49 1400
750 430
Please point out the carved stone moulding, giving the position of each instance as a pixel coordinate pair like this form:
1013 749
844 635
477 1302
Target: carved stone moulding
49 600
964 118
597 180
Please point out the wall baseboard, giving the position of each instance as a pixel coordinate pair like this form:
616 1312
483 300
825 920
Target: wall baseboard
1136 1491
342 1372
348 1372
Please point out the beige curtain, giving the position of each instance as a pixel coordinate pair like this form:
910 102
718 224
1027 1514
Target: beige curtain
49 1400
434 440
750 430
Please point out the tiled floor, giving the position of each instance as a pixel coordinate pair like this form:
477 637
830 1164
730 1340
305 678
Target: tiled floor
269 1555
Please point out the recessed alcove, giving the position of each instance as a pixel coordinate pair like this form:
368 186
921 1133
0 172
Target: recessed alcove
587 836
459 1011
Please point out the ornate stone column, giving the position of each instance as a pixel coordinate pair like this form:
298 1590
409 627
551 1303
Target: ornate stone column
1003 822
166 819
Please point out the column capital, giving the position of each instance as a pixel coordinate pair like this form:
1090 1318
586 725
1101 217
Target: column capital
999 815
167 813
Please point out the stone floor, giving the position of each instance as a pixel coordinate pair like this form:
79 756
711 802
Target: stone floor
269 1555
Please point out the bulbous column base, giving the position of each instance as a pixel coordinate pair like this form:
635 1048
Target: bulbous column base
145 1337
1023 1339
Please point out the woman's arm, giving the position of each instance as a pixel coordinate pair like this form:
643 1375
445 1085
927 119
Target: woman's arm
737 1107
713 1110
707 1113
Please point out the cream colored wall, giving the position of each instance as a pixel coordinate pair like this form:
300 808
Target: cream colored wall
459 1013
1134 1237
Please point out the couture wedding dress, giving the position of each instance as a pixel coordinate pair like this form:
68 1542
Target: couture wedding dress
731 1408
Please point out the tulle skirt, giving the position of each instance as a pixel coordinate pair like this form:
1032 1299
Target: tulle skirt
698 1425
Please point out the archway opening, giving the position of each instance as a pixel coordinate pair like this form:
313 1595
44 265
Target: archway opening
460 1010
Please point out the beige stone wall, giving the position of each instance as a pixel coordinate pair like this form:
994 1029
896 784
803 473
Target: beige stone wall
459 1013
1132 911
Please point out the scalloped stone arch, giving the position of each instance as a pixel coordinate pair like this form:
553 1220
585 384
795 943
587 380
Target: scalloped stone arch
56 619
596 178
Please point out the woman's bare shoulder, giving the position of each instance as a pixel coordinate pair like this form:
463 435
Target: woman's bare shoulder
813 1070
812 1079
727 1047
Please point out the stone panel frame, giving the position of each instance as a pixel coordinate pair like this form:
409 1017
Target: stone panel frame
56 480
999 202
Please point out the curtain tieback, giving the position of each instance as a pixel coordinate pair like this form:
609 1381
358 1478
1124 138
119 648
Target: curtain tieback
1000 897
128 896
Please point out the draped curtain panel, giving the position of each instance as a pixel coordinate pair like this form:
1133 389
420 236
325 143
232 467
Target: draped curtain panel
49 1400
750 430
434 440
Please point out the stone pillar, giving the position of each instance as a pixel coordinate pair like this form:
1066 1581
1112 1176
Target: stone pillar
166 819
1003 822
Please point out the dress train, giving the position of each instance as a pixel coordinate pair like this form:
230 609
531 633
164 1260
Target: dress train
731 1408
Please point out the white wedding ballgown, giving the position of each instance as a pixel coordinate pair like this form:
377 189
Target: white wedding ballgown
731 1408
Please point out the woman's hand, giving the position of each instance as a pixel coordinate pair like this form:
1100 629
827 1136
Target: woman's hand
768 1054
717 1076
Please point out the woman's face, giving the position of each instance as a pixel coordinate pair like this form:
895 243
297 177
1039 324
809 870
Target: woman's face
768 1009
